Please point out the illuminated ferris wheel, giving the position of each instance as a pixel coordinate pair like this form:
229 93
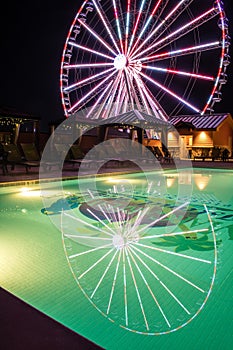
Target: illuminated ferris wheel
162 57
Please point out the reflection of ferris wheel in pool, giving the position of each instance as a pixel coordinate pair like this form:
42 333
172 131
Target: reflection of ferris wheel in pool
141 277
155 55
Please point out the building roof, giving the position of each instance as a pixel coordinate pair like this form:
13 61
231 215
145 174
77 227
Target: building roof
199 121
137 119
11 116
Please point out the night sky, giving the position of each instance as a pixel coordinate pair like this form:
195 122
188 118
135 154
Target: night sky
32 36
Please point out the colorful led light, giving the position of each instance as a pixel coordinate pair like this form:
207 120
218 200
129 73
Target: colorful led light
171 93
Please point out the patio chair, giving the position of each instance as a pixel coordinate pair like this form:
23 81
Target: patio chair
203 153
225 155
216 153
3 159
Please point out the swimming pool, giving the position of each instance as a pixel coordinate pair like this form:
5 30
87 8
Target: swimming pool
39 257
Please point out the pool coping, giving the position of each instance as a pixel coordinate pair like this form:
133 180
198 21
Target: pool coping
104 174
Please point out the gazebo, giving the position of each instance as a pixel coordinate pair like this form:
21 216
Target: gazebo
134 124
12 121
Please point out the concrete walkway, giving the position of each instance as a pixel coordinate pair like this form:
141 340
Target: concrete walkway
20 174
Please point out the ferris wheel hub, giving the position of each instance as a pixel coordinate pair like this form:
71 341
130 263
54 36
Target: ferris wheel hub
120 61
121 241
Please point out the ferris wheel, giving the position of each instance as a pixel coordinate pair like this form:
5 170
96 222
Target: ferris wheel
162 57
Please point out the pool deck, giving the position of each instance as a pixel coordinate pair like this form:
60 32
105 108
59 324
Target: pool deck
20 174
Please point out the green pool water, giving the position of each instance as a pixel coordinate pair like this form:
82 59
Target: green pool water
44 265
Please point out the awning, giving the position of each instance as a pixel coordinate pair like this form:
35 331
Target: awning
199 121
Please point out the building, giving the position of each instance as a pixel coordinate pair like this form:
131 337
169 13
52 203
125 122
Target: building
203 136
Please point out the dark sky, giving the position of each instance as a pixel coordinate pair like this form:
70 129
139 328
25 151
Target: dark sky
32 36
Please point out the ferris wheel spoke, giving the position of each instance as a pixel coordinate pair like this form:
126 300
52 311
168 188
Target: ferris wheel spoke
88 80
161 218
136 93
115 89
107 101
182 31
116 223
173 253
121 95
87 224
114 283
101 221
136 289
175 234
95 264
125 100
98 37
88 49
130 90
169 19
111 97
88 65
100 101
136 24
87 237
140 215
173 94
128 15
170 270
125 290
116 218
118 101
116 14
149 101
155 106
148 287
177 72
145 102
106 23
104 274
151 16
89 251
91 92
181 52
157 278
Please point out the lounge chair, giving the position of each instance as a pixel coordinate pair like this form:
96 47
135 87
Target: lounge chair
158 153
31 154
14 157
74 156
109 155
76 152
162 156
